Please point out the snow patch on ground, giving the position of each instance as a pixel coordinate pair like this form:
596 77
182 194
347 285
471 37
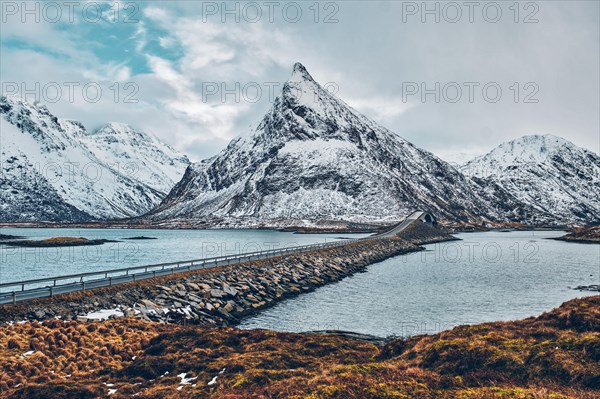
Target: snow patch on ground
104 314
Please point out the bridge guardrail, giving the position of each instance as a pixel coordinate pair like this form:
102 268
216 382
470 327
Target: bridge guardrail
107 278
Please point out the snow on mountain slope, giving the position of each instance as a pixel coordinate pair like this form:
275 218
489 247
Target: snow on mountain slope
138 155
547 172
25 194
314 158
45 157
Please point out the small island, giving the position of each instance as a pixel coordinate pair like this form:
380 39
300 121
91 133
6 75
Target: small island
10 237
59 242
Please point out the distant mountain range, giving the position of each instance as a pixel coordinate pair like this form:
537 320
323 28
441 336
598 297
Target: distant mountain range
549 173
54 170
312 161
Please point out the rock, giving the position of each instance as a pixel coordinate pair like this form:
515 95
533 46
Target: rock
215 293
194 298
229 290
149 304
39 314
245 303
228 307
225 314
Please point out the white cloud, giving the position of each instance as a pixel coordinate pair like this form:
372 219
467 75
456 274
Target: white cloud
140 36
224 51
460 155
166 42
369 76
381 109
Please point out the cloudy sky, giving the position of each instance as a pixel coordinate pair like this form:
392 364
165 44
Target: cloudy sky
198 74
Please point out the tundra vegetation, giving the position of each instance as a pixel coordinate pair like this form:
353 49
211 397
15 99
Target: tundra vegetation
555 355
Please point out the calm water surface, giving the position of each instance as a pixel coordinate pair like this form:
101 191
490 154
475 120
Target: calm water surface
18 264
486 277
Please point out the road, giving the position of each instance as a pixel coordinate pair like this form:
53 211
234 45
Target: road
15 292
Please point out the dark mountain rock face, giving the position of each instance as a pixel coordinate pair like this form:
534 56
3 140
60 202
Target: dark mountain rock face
26 196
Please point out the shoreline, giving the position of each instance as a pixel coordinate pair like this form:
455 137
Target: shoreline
226 294
586 235
575 240
357 228
294 230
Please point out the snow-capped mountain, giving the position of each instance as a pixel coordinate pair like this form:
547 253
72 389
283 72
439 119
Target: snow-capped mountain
549 173
314 158
53 169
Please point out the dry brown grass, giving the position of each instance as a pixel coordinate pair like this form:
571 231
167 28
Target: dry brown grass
55 351
551 357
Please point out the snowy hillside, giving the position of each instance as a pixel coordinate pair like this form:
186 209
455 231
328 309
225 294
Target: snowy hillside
314 158
547 172
79 176
138 155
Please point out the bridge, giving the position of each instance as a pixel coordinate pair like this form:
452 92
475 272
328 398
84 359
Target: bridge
19 291
412 218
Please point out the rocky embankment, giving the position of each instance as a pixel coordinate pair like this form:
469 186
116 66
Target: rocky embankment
221 296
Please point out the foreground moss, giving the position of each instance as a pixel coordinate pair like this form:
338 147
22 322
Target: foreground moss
556 355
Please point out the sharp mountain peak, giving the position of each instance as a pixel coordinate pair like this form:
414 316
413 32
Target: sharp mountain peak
299 72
